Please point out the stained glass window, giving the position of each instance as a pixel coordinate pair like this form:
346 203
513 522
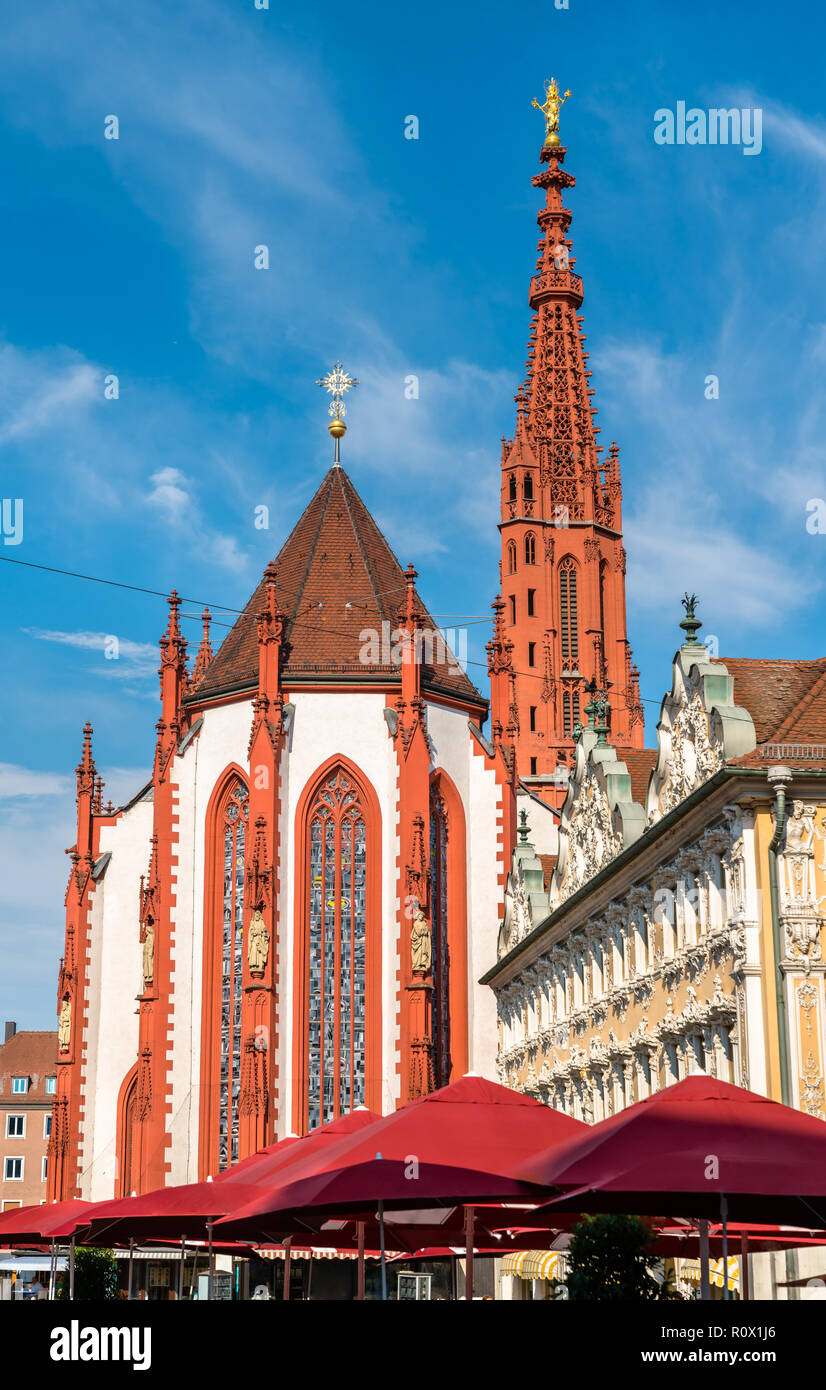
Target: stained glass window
337 937
440 1016
232 958
569 619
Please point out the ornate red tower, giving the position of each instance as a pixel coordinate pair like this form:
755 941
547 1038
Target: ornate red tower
563 562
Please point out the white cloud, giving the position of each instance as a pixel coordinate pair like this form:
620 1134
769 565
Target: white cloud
18 781
170 494
806 137
41 390
123 659
677 545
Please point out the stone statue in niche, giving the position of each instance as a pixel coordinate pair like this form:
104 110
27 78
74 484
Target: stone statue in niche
64 1027
420 944
149 954
258 944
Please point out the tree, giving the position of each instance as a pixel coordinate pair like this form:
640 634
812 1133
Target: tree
610 1259
96 1276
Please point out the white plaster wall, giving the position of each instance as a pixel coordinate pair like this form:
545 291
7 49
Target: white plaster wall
114 983
542 823
484 895
455 750
223 739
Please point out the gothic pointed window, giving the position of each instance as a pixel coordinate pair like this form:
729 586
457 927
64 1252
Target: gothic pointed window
440 1014
512 488
530 549
337 940
511 558
233 836
527 487
568 613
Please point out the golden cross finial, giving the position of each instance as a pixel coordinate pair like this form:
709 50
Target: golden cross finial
550 110
337 382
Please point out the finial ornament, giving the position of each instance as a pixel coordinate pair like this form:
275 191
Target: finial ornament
690 622
337 382
550 110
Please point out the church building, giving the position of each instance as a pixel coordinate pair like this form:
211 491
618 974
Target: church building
295 913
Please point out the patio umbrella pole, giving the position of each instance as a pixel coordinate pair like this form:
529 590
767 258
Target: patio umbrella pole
211 1276
288 1245
724 1219
383 1259
705 1277
52 1268
72 1267
181 1270
361 1262
131 1252
745 1285
470 1212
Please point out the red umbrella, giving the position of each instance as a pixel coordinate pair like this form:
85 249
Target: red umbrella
187 1209
460 1144
686 1148
260 1167
244 1165
47 1221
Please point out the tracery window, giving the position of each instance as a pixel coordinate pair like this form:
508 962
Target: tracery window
511 558
440 1017
527 488
568 613
530 549
236 814
512 488
337 942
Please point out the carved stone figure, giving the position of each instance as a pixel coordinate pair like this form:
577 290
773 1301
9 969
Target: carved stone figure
149 954
258 944
420 944
64 1027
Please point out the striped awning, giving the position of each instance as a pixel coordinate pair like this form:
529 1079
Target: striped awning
691 1271
318 1252
533 1264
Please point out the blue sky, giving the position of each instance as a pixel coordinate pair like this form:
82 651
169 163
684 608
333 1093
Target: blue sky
285 127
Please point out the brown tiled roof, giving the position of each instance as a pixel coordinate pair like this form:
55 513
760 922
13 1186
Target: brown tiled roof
787 703
28 1054
548 862
640 763
336 577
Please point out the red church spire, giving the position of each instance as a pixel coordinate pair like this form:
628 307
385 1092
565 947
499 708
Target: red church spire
86 773
205 653
563 562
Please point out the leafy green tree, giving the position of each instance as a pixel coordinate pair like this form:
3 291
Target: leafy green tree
610 1259
96 1276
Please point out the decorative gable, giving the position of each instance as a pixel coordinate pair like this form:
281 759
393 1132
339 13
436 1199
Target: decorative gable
599 817
526 901
700 729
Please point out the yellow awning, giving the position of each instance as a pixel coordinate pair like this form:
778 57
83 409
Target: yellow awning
533 1264
691 1272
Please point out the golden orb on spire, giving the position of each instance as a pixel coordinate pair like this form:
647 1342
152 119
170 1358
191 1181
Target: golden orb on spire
550 110
337 382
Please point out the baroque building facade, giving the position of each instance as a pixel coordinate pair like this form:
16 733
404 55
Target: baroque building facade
682 928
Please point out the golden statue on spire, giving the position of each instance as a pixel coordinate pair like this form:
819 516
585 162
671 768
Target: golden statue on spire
550 110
